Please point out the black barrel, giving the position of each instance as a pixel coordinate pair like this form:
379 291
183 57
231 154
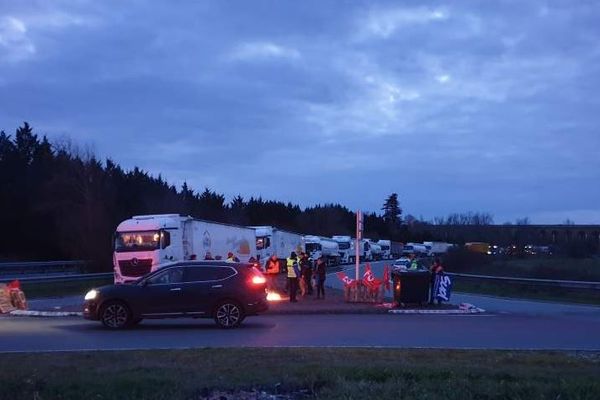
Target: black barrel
411 286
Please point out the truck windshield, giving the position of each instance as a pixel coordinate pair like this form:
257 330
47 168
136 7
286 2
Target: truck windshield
137 241
263 242
344 245
310 247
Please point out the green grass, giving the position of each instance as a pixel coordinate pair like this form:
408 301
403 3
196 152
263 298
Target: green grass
59 289
584 269
562 295
557 268
322 373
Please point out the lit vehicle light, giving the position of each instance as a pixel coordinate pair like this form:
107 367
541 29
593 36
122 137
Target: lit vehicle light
273 296
258 280
91 295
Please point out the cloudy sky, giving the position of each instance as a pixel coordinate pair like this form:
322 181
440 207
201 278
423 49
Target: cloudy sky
457 106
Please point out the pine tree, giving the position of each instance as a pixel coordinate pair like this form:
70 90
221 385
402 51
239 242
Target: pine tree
392 213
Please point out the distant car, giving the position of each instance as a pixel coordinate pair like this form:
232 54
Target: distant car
227 292
401 263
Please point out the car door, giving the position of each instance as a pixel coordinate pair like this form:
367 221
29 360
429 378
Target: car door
162 294
204 286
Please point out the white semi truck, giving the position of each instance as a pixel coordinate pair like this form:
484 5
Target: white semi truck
317 246
144 243
346 248
417 249
375 249
435 248
390 250
364 251
271 240
386 248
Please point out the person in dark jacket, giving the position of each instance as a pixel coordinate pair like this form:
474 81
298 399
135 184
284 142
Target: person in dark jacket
320 273
307 273
436 268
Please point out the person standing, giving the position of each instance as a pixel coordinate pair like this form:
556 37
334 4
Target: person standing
303 264
232 258
293 272
436 270
272 271
320 274
307 273
414 263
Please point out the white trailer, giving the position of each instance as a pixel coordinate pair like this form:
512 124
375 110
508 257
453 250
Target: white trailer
396 249
346 248
317 246
271 240
144 243
417 249
438 247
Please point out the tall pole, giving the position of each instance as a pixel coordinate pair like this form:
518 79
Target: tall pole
359 227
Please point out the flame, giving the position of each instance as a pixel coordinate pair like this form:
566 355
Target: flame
273 296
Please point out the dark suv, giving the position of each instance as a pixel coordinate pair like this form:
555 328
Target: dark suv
227 292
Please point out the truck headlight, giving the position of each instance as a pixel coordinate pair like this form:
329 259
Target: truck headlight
91 295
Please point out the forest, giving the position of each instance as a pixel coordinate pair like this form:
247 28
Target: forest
58 202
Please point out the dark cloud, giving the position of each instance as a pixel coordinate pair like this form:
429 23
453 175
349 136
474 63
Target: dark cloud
480 106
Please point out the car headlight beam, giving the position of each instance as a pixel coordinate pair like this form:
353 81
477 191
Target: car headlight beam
91 295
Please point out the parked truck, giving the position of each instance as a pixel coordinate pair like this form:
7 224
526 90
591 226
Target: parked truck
346 248
318 246
144 243
478 247
396 249
271 240
386 248
375 249
417 249
436 248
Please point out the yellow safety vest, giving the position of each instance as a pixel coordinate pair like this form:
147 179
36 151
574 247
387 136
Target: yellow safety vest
290 268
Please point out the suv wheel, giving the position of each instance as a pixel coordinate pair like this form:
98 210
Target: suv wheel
229 314
115 315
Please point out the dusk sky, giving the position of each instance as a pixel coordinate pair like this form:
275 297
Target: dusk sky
457 106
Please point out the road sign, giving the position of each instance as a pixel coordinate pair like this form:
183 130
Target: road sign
359 231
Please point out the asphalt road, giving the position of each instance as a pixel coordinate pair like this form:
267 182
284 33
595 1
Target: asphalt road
511 324
581 332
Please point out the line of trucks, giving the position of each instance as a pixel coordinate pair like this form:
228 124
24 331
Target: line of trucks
144 243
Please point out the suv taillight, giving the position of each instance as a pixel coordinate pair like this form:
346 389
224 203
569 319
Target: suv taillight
257 277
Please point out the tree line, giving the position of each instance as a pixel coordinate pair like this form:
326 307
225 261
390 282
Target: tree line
58 202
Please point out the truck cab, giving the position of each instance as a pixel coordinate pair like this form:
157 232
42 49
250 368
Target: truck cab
143 243
317 246
386 248
346 248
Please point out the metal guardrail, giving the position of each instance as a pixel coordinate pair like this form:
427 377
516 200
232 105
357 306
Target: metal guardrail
59 278
530 281
41 267
505 279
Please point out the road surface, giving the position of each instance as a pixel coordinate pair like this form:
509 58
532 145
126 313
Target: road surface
567 332
511 324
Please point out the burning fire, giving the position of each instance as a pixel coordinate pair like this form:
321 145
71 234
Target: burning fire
273 296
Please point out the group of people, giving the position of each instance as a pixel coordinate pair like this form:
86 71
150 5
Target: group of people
208 256
301 272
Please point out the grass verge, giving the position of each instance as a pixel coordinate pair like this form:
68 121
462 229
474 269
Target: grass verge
317 373
562 295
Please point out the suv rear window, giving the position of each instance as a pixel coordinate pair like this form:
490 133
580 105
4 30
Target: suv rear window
202 274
